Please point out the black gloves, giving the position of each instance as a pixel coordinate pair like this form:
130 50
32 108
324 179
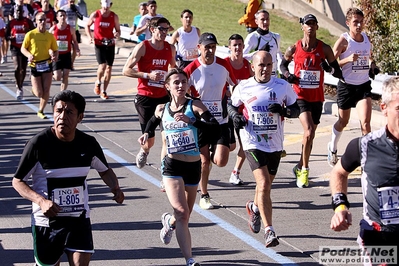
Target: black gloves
373 71
325 66
239 121
291 79
73 8
276 108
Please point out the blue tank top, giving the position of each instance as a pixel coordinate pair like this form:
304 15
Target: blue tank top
181 137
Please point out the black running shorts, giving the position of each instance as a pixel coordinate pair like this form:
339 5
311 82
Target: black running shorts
189 171
315 108
348 95
258 159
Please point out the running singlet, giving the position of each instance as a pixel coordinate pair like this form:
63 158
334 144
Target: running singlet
209 83
154 61
357 72
180 136
64 39
18 30
311 75
50 18
38 44
187 45
60 176
103 29
264 129
242 73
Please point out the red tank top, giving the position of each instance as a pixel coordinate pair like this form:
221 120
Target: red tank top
64 39
311 75
50 17
242 73
18 30
103 28
154 60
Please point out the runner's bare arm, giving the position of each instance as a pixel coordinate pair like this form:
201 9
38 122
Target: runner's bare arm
129 69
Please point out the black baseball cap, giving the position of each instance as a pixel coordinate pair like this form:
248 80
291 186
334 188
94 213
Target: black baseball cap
207 38
307 18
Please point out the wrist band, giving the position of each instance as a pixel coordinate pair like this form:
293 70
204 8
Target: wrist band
339 199
145 75
341 207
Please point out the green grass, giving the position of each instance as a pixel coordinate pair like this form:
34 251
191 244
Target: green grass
217 16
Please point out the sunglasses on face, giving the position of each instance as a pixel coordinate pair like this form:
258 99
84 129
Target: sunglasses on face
163 29
41 20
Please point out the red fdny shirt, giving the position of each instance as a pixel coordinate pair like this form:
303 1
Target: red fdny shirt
154 61
244 72
311 75
18 30
64 39
104 28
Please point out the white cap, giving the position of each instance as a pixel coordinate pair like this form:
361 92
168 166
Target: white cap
105 3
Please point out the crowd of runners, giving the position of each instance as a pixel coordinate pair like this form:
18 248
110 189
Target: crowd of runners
203 105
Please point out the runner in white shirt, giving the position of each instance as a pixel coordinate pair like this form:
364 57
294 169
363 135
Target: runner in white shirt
263 97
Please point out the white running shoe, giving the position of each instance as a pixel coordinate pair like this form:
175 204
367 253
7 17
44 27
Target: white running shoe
205 202
235 179
166 231
192 262
141 159
332 157
20 94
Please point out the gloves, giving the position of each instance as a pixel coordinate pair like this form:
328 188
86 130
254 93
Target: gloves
325 66
293 79
276 108
373 72
73 8
239 121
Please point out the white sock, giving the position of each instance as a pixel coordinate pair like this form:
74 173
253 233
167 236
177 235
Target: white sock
335 136
269 227
98 82
255 208
304 168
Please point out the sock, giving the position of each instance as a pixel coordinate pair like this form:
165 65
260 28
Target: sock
204 195
236 171
98 82
269 227
255 208
305 168
335 136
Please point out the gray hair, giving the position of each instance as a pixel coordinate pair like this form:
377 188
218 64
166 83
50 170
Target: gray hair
260 12
389 87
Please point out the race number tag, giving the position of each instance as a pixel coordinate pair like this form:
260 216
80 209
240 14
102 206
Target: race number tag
264 123
71 200
215 107
62 46
389 204
161 82
191 54
42 66
309 79
361 65
19 38
180 141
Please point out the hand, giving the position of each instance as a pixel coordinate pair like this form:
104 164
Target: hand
293 79
181 117
239 121
143 139
119 197
341 220
325 66
73 8
276 108
49 208
373 71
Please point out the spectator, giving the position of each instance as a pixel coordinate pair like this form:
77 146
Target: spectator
249 15
142 11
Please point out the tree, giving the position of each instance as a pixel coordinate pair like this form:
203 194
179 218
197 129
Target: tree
382 26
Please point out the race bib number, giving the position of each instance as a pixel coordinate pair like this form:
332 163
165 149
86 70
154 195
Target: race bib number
389 204
71 200
42 66
264 123
191 54
361 65
180 141
160 83
309 79
19 38
215 107
62 46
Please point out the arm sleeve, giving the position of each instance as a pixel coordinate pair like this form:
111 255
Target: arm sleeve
350 160
209 123
152 124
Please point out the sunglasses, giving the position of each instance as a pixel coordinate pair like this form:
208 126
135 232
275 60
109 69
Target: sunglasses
163 29
42 20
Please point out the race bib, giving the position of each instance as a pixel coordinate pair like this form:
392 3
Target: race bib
19 38
361 65
180 141
62 46
42 66
191 54
161 82
264 122
309 79
70 199
389 204
215 107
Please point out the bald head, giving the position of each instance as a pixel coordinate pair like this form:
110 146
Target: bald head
262 65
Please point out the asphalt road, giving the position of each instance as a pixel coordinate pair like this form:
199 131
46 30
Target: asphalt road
128 234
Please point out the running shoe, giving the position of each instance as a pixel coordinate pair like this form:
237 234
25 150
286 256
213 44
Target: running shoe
235 179
191 262
254 218
271 239
283 153
296 171
97 89
205 202
141 159
332 157
20 94
104 95
303 178
162 186
41 115
166 231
